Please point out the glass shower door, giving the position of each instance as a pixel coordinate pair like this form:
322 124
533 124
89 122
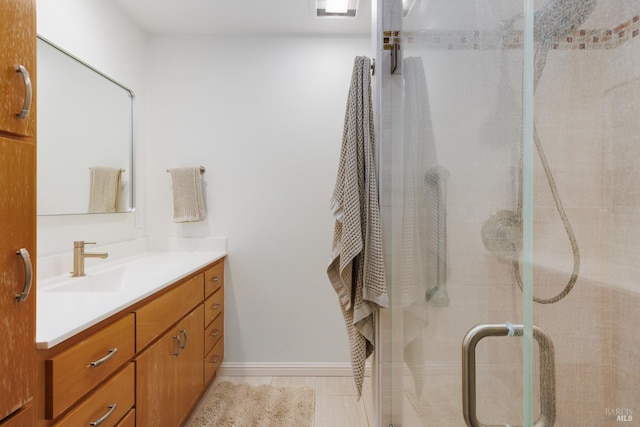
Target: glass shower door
509 171
457 198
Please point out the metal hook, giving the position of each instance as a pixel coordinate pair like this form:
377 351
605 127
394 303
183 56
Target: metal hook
394 56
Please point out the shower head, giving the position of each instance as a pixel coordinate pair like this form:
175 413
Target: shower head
558 18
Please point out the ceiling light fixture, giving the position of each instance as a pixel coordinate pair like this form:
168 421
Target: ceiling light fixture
336 8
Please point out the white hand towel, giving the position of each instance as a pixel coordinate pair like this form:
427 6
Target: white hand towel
188 204
104 189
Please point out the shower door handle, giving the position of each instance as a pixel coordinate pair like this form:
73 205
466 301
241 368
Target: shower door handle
547 371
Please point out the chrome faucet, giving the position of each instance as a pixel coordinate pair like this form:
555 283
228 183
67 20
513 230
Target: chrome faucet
79 255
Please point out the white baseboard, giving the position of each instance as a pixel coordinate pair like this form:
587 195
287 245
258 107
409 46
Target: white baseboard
233 369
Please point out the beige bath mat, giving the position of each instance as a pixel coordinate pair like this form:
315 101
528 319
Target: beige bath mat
242 405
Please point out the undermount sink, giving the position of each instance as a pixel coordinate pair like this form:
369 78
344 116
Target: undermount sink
112 280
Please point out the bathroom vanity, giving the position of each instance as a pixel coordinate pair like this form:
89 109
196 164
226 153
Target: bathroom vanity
139 350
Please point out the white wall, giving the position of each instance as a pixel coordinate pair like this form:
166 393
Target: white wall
98 33
264 116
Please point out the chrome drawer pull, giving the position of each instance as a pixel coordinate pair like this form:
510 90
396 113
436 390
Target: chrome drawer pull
99 362
215 306
28 274
28 92
183 332
177 338
111 410
215 359
215 332
215 279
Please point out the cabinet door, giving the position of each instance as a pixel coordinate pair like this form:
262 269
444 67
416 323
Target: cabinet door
156 376
191 366
17 231
169 373
17 47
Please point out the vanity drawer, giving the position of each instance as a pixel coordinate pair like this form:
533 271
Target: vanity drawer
214 278
23 417
72 373
111 401
129 420
213 333
213 360
213 306
157 316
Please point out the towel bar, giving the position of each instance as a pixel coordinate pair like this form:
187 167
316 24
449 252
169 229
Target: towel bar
121 170
202 169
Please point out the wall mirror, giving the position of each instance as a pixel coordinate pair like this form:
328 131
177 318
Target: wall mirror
85 137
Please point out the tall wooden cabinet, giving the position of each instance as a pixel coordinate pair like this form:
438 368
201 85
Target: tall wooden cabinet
17 211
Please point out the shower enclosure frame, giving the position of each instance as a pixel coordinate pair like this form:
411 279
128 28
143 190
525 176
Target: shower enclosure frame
578 353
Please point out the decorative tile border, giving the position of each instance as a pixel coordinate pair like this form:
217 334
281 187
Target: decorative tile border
483 40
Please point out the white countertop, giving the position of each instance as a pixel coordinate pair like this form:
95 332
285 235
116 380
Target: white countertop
61 315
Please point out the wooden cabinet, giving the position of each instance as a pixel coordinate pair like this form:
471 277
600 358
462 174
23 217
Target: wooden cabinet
169 374
129 420
154 360
17 210
213 278
154 318
22 418
74 372
106 405
172 372
214 325
18 48
214 305
213 359
17 231
190 381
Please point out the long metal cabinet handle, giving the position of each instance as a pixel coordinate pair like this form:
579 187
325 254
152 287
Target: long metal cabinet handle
111 410
177 338
28 274
184 333
28 92
547 371
99 362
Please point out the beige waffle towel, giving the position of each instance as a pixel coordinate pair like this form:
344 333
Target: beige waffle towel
356 268
188 204
104 189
